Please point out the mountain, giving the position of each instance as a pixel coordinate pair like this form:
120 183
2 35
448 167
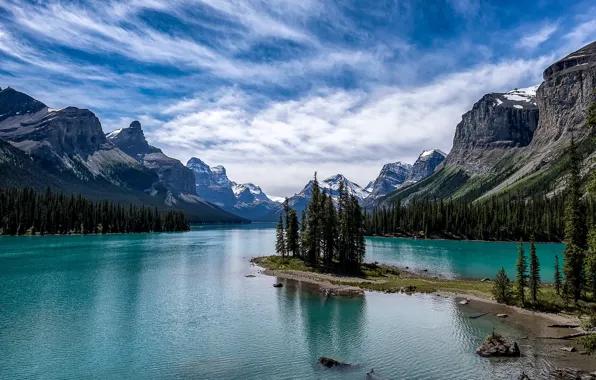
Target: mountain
515 142
67 149
391 177
246 200
176 177
330 185
425 165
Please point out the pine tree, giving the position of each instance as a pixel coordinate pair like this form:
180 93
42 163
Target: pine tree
280 241
558 279
534 281
292 233
502 287
314 224
330 231
522 272
575 234
591 263
343 228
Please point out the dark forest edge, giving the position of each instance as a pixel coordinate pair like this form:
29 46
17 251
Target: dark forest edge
29 212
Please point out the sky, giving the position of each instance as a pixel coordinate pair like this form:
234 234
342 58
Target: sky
275 90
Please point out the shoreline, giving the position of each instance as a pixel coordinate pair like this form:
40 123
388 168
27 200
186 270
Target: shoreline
442 238
534 323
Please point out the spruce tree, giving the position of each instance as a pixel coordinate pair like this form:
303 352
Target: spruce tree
292 233
575 233
558 279
313 219
534 281
502 287
591 263
343 227
522 272
280 241
330 231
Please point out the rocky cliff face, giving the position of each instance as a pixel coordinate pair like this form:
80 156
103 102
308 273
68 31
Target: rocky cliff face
67 149
513 141
67 140
496 123
172 174
425 165
246 200
391 177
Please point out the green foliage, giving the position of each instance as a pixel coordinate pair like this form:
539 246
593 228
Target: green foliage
280 240
558 278
26 211
507 218
522 273
292 230
590 262
589 343
534 276
502 287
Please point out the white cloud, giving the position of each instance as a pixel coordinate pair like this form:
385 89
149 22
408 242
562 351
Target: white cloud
535 39
332 130
582 34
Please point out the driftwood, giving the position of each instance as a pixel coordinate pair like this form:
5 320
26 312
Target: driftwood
564 326
478 316
574 335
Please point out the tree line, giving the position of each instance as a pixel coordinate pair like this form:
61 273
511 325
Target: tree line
327 235
508 218
27 211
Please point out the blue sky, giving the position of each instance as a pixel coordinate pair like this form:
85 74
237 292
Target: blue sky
276 89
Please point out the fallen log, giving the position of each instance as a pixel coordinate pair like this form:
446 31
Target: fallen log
478 316
571 336
564 326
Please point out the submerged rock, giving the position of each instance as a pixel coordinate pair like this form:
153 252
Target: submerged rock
278 285
568 349
497 346
330 363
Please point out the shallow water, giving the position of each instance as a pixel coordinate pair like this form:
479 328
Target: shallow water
159 306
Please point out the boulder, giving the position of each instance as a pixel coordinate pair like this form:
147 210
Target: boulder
330 363
501 315
485 280
496 345
278 285
464 302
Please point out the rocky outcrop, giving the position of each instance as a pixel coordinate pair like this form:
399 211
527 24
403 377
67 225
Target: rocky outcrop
177 178
330 363
246 200
425 165
391 177
212 184
496 123
496 345
514 141
68 150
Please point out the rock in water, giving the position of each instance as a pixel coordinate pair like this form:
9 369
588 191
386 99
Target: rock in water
278 285
330 363
497 346
501 315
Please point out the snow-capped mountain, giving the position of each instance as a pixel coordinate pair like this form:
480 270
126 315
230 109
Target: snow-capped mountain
391 177
519 98
425 165
331 186
247 200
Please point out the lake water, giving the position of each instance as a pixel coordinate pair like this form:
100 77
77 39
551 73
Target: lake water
162 306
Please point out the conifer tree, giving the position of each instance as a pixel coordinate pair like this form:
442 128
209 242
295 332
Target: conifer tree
502 287
313 219
343 228
522 272
280 241
330 231
558 279
303 234
591 263
575 233
292 232
534 281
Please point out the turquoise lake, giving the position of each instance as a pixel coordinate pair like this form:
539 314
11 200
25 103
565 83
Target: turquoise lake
177 306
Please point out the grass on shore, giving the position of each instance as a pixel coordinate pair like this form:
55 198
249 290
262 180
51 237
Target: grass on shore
385 278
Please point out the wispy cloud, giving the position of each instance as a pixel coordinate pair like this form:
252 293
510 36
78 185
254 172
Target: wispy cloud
275 89
536 38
